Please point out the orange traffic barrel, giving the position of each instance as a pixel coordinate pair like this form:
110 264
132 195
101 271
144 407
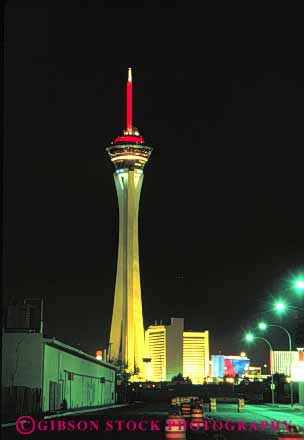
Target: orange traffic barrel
198 407
198 402
186 409
175 427
196 422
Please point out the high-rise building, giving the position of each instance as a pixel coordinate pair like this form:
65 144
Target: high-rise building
129 154
155 337
164 346
281 361
196 355
174 351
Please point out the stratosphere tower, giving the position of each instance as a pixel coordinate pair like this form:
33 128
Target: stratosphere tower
129 153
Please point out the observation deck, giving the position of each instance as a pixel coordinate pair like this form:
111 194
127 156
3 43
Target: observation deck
129 151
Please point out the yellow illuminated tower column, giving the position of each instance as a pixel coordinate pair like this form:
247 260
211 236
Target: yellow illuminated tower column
129 155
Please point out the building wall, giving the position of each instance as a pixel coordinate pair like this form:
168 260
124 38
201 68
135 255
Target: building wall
217 365
22 360
155 340
174 348
280 361
85 389
196 355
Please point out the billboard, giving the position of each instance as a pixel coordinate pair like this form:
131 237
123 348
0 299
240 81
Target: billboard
229 365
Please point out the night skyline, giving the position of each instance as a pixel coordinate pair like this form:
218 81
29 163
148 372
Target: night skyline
221 214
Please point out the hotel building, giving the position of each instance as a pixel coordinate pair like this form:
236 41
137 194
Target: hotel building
173 350
281 361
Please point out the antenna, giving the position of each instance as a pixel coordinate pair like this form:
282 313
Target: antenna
129 102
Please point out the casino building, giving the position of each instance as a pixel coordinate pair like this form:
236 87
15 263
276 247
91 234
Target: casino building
172 351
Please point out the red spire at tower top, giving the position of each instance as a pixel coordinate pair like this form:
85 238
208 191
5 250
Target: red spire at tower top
129 127
130 134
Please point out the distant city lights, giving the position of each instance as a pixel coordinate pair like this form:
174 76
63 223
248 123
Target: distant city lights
99 355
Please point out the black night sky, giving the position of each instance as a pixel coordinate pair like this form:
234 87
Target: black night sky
221 214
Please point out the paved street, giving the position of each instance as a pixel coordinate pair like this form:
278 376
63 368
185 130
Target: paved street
153 416
266 413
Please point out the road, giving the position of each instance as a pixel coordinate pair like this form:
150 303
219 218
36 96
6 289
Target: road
267 416
148 420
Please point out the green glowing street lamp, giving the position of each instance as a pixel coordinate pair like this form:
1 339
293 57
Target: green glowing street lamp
249 337
280 307
263 326
299 285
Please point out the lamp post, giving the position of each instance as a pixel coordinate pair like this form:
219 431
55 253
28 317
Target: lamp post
281 307
297 285
250 337
263 326
299 332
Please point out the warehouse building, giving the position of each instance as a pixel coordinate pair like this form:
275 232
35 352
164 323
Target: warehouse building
42 375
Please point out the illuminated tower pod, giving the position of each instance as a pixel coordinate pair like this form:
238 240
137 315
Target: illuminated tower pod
129 155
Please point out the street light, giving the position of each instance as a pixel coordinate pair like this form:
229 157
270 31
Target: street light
263 326
281 307
249 338
299 285
296 284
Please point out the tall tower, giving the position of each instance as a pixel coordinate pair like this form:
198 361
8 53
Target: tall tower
129 154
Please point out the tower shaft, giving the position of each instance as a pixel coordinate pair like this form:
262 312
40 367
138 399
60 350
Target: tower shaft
127 330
